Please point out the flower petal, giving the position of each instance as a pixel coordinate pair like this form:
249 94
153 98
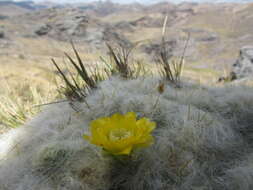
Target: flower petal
125 151
119 134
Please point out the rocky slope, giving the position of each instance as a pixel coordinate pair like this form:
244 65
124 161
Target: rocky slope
217 32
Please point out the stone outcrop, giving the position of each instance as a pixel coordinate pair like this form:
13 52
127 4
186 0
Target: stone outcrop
243 67
1 34
43 29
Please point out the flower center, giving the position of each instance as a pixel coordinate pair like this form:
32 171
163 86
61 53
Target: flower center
119 134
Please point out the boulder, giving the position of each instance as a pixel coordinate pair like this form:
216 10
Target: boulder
3 17
243 67
111 35
154 48
148 21
1 34
43 29
125 26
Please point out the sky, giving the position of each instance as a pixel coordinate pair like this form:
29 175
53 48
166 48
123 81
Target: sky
143 1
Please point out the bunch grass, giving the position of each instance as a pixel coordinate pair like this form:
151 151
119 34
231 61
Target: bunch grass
17 105
171 69
123 63
120 55
79 85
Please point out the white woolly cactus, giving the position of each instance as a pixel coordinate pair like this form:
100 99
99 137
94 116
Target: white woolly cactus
201 141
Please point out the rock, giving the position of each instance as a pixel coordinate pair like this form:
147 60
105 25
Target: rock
193 30
201 35
229 78
243 67
94 37
1 34
110 35
207 38
174 47
43 29
147 21
73 26
3 17
125 26
155 47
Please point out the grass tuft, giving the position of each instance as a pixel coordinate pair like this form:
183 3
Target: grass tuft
83 82
171 69
18 105
120 57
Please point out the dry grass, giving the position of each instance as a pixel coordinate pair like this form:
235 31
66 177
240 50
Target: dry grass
83 82
117 17
142 34
19 104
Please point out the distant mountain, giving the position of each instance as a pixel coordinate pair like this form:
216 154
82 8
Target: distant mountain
30 5
144 1
23 4
180 1
14 8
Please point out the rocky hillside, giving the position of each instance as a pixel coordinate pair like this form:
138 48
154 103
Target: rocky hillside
217 32
11 8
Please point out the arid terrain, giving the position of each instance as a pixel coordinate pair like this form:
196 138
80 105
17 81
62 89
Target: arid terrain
32 35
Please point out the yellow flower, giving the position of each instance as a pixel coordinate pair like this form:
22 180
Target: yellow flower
119 134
